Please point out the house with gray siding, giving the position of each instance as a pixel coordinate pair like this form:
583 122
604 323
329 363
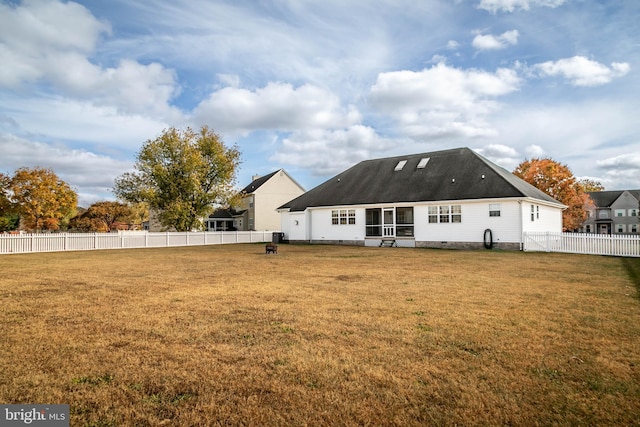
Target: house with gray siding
613 212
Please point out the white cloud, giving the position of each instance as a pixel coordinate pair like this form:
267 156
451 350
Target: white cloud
50 42
503 155
491 42
277 106
91 175
534 151
442 101
581 71
327 152
33 33
622 171
452 45
494 6
79 121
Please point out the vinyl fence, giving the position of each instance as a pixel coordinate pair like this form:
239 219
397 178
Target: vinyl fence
583 243
26 243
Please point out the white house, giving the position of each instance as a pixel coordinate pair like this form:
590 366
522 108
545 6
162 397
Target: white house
451 198
258 206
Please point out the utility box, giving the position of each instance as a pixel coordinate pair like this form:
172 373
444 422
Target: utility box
277 237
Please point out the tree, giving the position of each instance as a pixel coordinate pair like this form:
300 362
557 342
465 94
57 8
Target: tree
9 218
181 175
43 200
590 185
102 216
558 181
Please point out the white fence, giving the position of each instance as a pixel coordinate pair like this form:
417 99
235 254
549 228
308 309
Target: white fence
583 243
26 243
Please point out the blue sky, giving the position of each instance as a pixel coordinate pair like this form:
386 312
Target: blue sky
315 87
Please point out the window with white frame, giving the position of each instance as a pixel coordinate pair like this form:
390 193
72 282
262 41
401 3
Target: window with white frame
619 212
343 216
537 212
494 209
456 213
433 214
533 213
373 222
633 228
404 222
633 212
603 214
445 214
620 228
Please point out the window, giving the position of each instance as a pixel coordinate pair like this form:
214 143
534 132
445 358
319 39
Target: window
343 217
456 213
587 228
404 222
633 228
603 214
373 220
535 212
423 163
400 165
620 228
633 212
445 214
433 214
619 212
494 209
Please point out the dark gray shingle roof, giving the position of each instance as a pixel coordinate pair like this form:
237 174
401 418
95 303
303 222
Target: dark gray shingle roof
455 174
257 183
604 199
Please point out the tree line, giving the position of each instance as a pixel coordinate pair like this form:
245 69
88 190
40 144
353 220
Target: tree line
182 175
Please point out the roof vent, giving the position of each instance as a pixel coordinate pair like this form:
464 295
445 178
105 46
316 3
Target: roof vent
423 162
400 165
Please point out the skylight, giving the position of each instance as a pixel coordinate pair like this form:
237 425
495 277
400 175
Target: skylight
423 162
400 165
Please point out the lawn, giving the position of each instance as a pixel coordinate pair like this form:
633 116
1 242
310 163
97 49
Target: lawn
322 335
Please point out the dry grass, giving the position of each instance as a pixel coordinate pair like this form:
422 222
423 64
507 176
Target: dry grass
321 335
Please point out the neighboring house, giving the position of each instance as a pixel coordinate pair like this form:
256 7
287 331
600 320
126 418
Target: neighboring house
447 198
257 209
614 212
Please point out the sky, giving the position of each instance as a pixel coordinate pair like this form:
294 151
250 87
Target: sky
315 87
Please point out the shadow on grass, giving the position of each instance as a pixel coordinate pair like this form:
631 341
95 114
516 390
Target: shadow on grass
632 265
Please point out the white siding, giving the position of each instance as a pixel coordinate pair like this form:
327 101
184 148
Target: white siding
507 228
323 229
295 225
475 220
549 219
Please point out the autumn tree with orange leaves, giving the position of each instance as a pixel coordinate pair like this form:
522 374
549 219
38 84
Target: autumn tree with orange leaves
44 201
558 181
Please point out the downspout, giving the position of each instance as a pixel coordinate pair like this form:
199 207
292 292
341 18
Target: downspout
521 227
